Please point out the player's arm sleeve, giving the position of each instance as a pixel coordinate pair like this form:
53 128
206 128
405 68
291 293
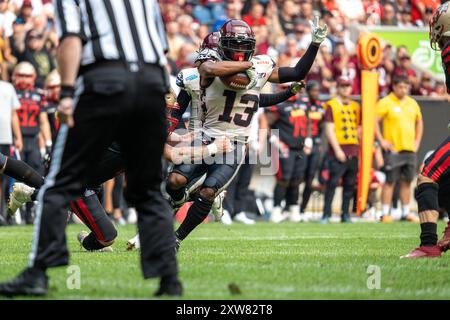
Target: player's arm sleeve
183 100
68 19
301 69
266 100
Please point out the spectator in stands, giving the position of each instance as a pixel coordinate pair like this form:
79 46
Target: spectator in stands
385 70
187 29
419 10
290 53
389 17
25 15
400 139
306 10
426 86
345 64
262 39
37 54
403 68
287 16
256 16
404 17
374 11
351 9
175 41
186 56
321 72
232 10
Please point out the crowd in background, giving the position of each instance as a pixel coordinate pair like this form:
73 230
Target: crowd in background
27 34
283 32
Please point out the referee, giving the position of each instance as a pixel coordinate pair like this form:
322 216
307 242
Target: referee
111 60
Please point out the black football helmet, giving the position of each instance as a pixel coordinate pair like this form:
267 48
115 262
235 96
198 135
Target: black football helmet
237 41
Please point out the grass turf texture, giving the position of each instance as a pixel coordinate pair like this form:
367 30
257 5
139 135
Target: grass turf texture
266 261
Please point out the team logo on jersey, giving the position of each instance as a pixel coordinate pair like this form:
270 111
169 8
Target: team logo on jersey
192 77
179 81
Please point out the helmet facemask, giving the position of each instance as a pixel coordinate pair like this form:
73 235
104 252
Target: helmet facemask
237 48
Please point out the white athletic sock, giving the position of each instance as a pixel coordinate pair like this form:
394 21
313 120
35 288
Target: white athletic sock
405 210
385 208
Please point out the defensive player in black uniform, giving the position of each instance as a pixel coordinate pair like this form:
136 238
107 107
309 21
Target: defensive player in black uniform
290 122
433 183
33 121
52 90
311 131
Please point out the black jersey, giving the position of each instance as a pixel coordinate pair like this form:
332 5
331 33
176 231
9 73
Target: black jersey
297 120
32 103
312 123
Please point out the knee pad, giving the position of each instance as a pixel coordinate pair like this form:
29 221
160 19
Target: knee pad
426 195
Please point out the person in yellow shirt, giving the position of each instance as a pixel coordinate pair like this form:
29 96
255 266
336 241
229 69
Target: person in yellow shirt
400 139
342 121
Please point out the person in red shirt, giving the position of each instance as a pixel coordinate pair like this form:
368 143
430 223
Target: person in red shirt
256 16
403 68
346 65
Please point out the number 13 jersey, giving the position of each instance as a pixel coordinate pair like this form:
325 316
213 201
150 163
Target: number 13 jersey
229 112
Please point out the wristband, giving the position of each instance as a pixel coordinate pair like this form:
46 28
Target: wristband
67 92
212 149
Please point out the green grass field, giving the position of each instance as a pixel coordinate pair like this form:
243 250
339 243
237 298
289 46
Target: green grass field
286 261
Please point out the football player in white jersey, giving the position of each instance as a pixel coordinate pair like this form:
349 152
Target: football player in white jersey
228 112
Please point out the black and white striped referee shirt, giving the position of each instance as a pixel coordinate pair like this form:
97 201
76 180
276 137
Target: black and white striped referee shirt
125 30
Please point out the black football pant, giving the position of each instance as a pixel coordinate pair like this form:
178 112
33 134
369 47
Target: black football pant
347 171
237 190
113 104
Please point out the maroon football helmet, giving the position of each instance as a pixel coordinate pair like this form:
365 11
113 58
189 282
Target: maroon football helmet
211 41
237 41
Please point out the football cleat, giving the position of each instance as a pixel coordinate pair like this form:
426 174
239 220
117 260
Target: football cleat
242 218
294 214
444 243
134 243
411 218
276 215
21 194
217 206
83 234
226 218
386 219
423 252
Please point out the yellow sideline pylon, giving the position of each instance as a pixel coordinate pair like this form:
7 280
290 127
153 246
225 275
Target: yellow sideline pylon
369 55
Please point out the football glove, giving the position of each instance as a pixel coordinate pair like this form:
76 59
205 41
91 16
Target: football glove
318 33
